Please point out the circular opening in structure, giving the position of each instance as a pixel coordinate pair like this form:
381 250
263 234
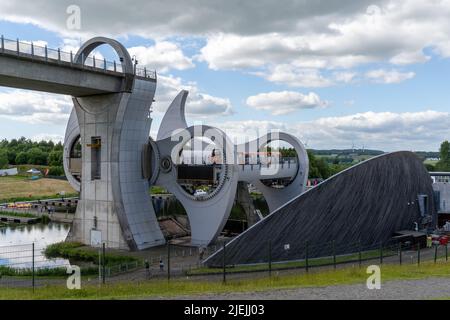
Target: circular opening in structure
75 159
278 161
200 168
105 57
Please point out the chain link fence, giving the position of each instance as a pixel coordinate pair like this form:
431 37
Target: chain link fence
27 266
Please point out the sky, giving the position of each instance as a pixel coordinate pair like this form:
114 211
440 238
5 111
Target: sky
336 74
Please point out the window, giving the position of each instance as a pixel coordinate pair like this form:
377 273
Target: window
96 144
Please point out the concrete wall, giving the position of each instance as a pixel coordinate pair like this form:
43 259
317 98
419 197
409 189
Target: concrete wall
443 189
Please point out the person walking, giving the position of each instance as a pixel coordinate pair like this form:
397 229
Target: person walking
147 269
161 265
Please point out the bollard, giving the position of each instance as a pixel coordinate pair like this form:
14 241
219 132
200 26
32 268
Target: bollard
435 253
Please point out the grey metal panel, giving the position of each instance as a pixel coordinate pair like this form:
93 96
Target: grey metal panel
366 203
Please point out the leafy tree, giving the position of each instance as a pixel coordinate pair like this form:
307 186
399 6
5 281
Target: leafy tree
55 158
22 158
56 171
444 162
430 167
37 156
3 159
12 154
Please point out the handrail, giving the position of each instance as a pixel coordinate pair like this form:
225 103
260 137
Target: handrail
19 48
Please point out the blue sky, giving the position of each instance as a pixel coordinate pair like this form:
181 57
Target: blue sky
372 74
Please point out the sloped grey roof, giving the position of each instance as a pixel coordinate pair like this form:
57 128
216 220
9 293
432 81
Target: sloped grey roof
366 203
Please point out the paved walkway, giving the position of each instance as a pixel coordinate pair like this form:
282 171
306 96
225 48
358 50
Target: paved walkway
431 288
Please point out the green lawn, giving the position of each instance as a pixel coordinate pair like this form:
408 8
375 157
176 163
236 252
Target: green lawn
189 286
20 188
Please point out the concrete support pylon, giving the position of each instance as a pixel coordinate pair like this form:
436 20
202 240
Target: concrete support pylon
245 200
115 206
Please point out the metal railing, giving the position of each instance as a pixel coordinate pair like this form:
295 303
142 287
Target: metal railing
32 51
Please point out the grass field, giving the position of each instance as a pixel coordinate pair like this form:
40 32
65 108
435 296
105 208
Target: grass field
313 262
187 286
20 187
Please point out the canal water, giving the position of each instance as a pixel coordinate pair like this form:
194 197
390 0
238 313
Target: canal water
16 245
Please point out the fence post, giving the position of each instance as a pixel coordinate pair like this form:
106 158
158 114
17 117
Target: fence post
104 64
446 252
168 260
400 252
334 253
418 253
381 253
104 263
71 57
32 50
306 257
359 253
3 44
435 253
224 262
115 67
59 55
32 262
93 61
270 258
46 53
18 48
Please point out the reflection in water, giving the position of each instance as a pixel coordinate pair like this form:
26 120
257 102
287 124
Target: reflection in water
16 244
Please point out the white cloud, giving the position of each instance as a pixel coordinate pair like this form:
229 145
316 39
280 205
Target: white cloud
389 76
291 44
33 107
387 131
47 137
198 105
191 17
344 76
284 102
297 77
162 56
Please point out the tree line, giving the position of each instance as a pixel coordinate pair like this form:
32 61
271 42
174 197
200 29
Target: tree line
25 151
444 159
319 167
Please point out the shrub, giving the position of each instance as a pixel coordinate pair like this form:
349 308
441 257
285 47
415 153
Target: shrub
77 252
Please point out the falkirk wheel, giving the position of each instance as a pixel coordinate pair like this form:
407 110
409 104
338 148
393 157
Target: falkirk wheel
110 159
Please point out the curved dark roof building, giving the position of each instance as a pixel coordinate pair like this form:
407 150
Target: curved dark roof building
365 204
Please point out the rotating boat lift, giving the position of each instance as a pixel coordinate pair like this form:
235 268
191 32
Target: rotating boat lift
110 159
